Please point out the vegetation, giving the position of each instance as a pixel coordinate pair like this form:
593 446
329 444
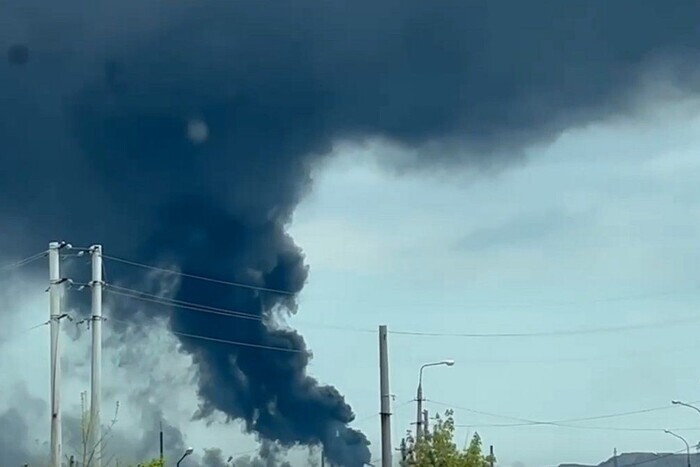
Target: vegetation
152 463
438 449
90 448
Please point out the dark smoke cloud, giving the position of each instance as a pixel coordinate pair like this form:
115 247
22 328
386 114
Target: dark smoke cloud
124 445
185 132
18 54
269 456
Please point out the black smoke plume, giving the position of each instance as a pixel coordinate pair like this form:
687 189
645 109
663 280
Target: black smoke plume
186 131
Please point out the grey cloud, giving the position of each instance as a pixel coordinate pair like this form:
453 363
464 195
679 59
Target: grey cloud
523 230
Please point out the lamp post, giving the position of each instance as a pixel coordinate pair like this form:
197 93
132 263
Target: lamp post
685 404
419 395
687 446
187 453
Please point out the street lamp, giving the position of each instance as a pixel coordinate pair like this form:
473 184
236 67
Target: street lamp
187 453
685 404
419 395
687 446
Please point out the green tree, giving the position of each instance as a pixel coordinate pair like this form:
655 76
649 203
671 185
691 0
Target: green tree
153 463
438 449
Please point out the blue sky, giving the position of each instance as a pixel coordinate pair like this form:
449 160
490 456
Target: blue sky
595 230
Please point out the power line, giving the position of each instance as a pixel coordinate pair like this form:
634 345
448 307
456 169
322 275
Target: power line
227 312
616 415
561 422
287 292
630 429
579 427
375 415
221 341
151 298
197 276
22 332
181 304
569 332
192 306
593 358
230 313
561 304
489 414
23 262
555 333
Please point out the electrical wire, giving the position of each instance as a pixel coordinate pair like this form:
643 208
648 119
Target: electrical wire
287 292
555 333
375 415
569 332
151 298
23 262
525 421
230 313
191 306
197 276
561 422
22 332
221 341
595 428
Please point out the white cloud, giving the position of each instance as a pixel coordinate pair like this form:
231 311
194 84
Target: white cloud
143 370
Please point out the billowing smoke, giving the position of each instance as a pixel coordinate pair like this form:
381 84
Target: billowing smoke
185 132
268 456
16 446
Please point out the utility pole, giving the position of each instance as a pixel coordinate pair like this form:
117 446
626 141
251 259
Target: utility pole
492 458
615 456
55 297
95 427
426 428
419 415
385 410
162 459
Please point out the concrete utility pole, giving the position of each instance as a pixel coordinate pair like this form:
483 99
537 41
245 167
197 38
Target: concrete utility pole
385 410
95 426
162 458
426 427
55 297
491 456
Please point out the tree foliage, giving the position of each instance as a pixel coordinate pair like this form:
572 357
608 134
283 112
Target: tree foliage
152 463
438 449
